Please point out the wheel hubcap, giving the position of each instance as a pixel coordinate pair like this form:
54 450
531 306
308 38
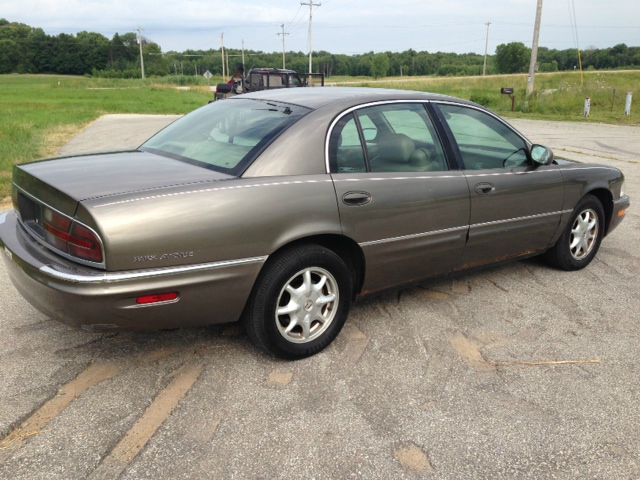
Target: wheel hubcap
307 305
584 233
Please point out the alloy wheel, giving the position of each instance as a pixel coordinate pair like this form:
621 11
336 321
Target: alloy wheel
307 305
584 233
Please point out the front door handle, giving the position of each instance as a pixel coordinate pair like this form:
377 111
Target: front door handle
354 199
484 188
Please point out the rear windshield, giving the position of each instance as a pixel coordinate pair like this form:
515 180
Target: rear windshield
226 135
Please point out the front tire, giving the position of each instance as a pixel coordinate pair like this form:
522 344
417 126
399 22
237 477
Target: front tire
300 302
581 238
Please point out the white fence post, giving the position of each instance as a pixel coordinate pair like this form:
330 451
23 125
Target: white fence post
627 104
587 107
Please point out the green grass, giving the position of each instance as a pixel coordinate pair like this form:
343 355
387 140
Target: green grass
559 96
38 112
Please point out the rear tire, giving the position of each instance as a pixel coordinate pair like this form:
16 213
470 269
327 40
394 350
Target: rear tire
581 238
300 302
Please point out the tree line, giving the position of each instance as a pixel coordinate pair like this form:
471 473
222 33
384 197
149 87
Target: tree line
26 49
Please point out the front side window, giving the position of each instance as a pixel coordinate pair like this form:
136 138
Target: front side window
484 142
227 135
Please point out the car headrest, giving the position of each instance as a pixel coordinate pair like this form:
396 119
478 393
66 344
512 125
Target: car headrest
420 158
395 148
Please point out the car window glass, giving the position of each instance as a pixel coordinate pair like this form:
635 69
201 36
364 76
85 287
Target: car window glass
409 123
369 129
484 142
346 151
405 139
225 135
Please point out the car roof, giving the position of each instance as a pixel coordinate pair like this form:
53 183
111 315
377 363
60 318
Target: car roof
317 97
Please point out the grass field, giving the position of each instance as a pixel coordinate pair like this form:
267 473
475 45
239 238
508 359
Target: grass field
559 96
39 113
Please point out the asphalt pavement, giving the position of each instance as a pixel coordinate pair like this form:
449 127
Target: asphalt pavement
518 371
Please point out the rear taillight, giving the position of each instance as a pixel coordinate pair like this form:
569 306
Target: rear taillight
71 237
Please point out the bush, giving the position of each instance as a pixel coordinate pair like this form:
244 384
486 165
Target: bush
483 100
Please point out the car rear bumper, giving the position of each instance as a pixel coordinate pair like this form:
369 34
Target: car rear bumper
85 297
620 207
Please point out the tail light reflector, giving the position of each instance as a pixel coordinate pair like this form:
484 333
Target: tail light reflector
157 298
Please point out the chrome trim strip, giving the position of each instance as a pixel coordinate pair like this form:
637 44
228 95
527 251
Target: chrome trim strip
557 168
298 182
148 305
213 189
455 229
589 168
494 174
51 247
519 219
463 173
414 235
109 277
353 109
378 179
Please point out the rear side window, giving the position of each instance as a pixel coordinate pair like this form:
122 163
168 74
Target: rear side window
395 137
345 148
227 135
405 139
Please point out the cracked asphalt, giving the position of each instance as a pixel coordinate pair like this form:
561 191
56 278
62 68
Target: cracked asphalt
517 371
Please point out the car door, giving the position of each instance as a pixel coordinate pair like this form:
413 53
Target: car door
397 196
515 204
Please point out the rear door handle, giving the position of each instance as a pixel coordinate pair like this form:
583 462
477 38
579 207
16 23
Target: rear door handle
484 188
354 199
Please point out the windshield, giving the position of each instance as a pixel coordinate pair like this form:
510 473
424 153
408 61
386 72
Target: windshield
226 135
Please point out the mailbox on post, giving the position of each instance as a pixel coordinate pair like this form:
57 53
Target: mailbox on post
509 91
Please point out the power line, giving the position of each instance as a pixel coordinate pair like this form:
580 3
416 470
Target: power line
295 17
283 34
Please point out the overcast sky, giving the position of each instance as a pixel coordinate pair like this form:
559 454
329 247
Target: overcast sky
344 26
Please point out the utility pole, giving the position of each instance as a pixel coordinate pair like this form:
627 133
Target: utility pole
283 34
224 71
140 45
311 5
534 50
243 54
486 50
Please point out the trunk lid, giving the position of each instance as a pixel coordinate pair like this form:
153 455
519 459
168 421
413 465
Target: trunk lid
64 182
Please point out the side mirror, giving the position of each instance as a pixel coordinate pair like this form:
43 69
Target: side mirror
541 155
